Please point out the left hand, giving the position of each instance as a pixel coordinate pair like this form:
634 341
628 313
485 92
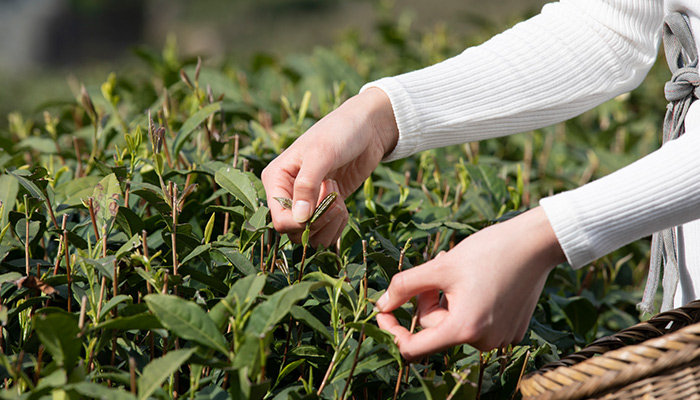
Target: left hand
490 284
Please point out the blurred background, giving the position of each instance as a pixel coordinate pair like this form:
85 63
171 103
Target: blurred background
45 42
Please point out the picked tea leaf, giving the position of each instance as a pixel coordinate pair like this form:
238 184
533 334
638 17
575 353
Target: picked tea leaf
324 206
286 202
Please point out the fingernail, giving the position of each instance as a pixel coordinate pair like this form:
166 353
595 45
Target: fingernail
301 211
382 302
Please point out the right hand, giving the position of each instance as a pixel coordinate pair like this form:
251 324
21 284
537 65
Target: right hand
336 154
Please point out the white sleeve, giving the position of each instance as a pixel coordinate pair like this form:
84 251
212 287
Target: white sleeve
656 192
573 56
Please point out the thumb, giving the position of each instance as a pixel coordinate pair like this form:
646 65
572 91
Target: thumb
407 284
307 186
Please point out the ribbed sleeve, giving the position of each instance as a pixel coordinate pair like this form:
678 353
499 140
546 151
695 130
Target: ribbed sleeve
656 192
573 56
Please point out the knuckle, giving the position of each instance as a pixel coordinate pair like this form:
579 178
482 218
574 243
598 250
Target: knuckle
304 184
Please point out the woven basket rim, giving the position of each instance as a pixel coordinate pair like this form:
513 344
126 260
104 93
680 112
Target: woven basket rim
665 342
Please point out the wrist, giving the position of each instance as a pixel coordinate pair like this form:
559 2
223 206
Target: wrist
381 120
539 238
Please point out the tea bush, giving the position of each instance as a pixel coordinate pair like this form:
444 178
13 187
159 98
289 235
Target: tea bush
139 261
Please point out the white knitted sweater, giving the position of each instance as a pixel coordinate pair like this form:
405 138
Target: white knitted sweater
574 55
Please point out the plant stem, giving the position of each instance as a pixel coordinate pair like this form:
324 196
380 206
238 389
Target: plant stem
61 245
334 360
91 208
173 236
68 271
78 157
132 374
144 242
354 362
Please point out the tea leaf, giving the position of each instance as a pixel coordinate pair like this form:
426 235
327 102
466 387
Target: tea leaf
183 135
238 260
58 333
129 222
9 187
285 202
97 391
238 184
158 370
301 314
144 322
242 294
107 198
323 206
265 316
187 320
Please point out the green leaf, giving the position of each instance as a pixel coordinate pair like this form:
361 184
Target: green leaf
265 316
9 187
241 262
301 314
380 336
127 247
287 369
106 199
203 248
183 135
9 277
97 391
158 370
242 294
305 236
21 229
187 320
58 332
24 178
239 185
129 222
113 302
142 322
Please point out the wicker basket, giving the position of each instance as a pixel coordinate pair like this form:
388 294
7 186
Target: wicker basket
655 359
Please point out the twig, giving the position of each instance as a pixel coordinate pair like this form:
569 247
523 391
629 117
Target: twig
173 237
91 208
68 271
132 374
354 362
61 245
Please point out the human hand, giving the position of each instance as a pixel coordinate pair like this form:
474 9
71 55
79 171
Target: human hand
336 154
490 284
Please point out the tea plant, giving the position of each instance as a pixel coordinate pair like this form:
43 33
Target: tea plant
139 260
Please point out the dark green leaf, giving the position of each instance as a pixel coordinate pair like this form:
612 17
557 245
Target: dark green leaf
239 185
301 314
187 320
185 132
129 222
142 322
265 316
158 370
58 333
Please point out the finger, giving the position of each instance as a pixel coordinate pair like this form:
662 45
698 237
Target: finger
328 234
420 344
279 182
307 186
430 312
409 283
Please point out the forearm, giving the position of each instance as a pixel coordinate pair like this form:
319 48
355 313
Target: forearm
573 56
